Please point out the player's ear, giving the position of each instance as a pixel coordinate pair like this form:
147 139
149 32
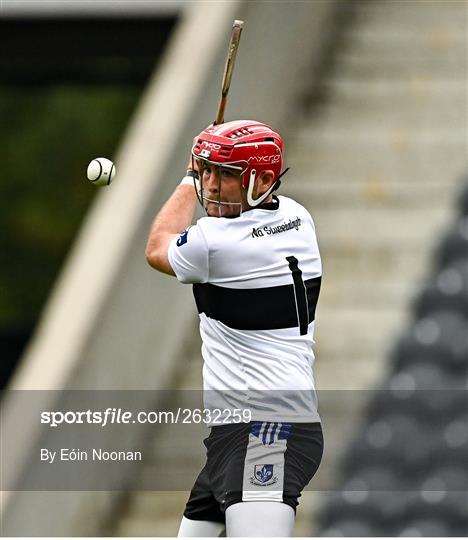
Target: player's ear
265 181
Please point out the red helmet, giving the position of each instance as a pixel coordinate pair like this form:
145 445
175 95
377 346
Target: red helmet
246 145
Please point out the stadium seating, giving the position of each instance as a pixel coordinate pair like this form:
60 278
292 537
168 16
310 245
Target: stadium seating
463 204
406 472
440 336
455 244
448 291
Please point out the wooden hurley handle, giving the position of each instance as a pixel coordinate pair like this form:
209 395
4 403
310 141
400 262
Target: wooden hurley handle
229 68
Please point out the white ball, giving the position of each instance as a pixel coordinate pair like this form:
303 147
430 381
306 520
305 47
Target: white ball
101 171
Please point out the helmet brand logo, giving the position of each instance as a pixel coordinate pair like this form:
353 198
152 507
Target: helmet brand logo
210 145
205 153
275 158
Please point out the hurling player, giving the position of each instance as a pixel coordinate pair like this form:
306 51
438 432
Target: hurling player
255 267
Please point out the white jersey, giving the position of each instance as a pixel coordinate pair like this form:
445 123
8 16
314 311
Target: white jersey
256 284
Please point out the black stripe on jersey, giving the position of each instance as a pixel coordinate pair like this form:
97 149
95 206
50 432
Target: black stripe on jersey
300 295
267 308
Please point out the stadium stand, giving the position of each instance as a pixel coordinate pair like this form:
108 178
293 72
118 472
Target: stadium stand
367 158
406 472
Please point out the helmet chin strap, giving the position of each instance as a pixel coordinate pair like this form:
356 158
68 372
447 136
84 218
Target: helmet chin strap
250 199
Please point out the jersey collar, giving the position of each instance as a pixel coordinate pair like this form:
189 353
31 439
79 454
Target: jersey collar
273 205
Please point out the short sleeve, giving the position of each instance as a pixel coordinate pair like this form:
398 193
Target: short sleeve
188 256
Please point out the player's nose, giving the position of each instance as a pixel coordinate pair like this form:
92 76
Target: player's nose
211 181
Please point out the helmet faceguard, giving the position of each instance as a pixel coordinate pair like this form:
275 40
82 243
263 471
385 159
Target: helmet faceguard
245 146
200 190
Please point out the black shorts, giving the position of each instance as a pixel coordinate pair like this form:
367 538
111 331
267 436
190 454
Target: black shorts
258 461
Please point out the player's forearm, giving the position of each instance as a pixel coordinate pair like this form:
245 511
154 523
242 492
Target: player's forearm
175 216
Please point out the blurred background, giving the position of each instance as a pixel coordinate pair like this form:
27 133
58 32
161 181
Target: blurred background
371 99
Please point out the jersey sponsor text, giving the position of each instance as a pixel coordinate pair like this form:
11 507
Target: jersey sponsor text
268 230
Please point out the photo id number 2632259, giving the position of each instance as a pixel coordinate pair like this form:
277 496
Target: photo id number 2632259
216 416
